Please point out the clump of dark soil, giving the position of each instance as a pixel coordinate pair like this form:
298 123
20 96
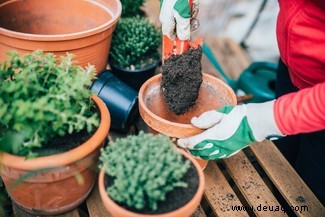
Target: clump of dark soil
181 80
300 199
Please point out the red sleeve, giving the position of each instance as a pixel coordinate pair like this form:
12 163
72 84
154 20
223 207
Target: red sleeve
302 111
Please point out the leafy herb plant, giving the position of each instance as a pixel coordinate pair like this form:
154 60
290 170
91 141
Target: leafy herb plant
143 169
42 97
135 43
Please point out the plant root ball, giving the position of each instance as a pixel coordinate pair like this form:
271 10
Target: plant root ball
181 80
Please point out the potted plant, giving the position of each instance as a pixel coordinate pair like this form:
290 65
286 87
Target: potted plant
83 28
51 130
213 94
145 175
131 8
134 53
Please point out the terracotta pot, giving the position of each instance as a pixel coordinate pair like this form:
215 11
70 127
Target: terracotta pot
184 211
213 94
81 27
62 181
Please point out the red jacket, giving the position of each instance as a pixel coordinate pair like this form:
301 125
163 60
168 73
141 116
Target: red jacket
301 41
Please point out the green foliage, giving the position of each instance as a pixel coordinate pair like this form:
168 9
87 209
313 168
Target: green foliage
135 43
42 97
131 7
144 169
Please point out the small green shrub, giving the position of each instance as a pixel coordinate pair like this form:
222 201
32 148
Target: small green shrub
135 43
42 97
144 168
131 8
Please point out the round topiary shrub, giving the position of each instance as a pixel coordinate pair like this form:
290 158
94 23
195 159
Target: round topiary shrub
135 43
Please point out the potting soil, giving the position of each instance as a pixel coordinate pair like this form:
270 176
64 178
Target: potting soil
181 80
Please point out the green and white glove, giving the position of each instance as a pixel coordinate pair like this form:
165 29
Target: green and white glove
231 129
175 17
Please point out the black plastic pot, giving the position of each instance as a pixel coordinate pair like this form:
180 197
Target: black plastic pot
120 99
134 78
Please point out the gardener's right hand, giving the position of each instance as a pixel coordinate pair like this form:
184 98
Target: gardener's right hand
175 17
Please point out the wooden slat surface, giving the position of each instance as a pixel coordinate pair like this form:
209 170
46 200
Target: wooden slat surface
286 179
95 205
252 186
219 194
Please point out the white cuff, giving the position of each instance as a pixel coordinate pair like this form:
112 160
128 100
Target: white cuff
260 117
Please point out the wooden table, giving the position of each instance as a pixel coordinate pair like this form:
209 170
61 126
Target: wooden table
258 181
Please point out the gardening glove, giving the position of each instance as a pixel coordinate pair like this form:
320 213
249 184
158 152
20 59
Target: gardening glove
231 129
175 15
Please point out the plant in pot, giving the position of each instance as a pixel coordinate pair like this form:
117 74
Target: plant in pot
134 54
83 28
51 130
213 94
145 175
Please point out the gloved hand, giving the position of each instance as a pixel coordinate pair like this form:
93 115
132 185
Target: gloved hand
231 129
175 15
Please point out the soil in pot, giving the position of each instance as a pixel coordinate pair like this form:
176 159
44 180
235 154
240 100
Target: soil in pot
64 143
181 80
61 144
174 199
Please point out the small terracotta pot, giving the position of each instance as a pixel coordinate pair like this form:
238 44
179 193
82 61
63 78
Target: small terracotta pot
213 94
83 28
185 211
62 181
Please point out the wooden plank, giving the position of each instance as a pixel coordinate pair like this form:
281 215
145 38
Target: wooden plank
219 194
288 182
95 205
252 186
199 212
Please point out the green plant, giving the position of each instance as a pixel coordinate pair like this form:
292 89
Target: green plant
42 97
135 43
131 7
143 169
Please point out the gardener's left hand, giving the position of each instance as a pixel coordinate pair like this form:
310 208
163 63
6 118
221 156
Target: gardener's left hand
231 129
175 17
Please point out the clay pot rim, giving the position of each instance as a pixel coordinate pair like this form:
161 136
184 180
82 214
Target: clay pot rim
167 122
66 158
197 196
69 36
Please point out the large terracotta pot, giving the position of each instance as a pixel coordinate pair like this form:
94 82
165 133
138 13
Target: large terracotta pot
76 26
213 94
61 182
185 211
